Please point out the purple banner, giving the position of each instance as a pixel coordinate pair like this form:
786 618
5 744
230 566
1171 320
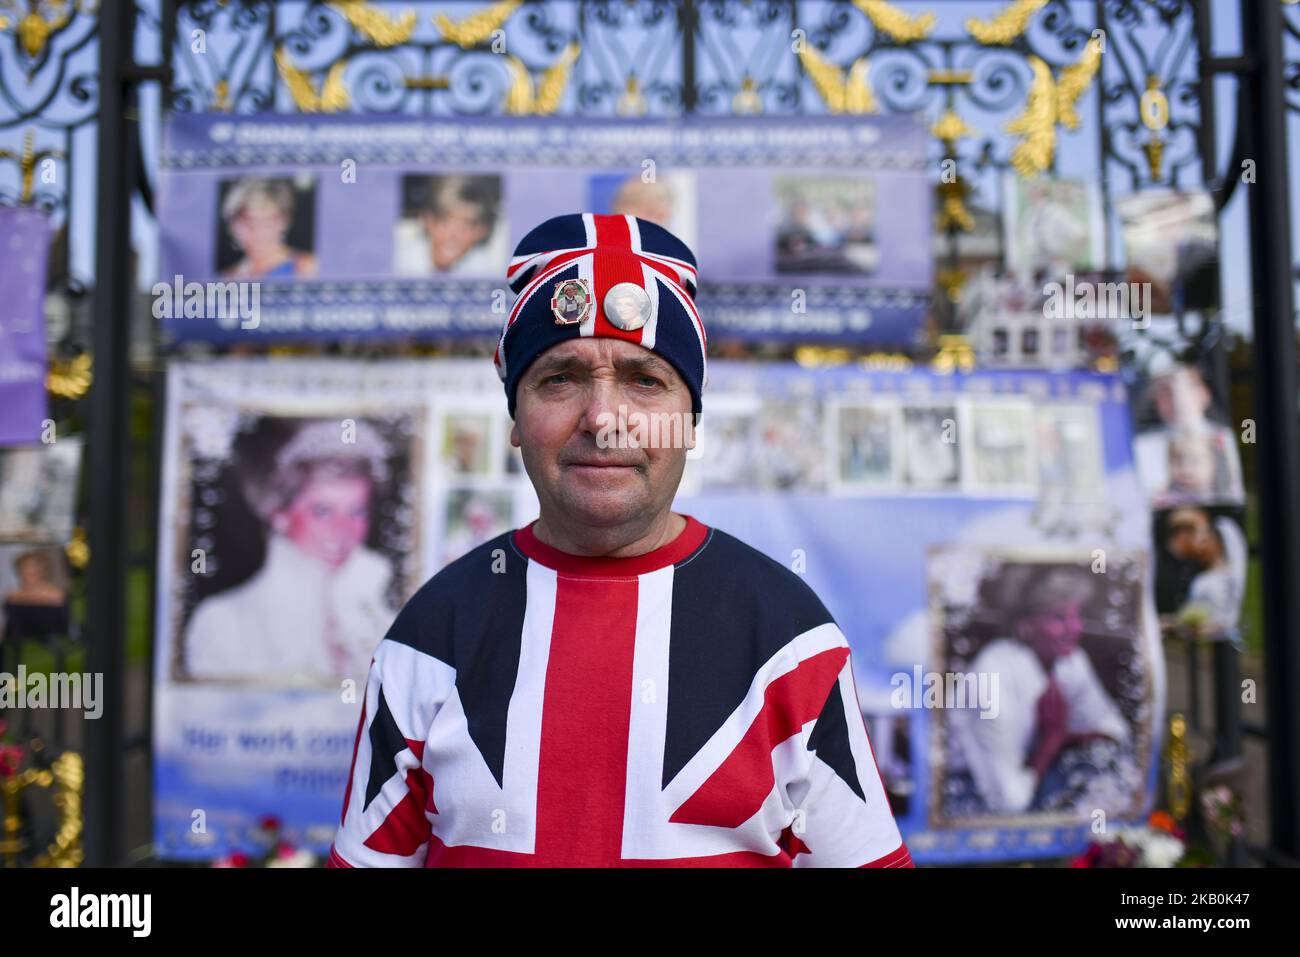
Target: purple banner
25 238
311 227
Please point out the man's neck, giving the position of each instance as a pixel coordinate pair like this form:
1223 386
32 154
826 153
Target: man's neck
620 541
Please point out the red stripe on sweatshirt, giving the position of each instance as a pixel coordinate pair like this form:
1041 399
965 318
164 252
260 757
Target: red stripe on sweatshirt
587 704
737 789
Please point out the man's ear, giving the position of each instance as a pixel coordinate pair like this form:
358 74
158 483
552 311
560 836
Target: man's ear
514 434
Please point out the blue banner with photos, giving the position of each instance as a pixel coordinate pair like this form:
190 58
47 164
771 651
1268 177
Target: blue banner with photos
982 540
321 227
983 543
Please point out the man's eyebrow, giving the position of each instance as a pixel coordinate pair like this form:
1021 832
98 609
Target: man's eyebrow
642 364
569 360
564 361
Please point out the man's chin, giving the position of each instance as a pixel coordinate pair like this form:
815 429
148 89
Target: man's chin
605 510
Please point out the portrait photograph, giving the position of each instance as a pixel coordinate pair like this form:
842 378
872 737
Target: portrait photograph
1201 559
38 490
34 582
723 459
825 224
864 437
1001 453
451 224
662 196
1052 226
1069 448
467 442
1171 241
266 227
931 447
1186 453
1067 729
472 516
785 453
297 541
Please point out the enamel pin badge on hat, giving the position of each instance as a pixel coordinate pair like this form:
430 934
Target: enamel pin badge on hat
627 306
571 302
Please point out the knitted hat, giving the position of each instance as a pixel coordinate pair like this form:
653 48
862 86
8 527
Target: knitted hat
620 277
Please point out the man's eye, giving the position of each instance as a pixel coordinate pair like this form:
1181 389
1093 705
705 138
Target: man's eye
558 379
648 380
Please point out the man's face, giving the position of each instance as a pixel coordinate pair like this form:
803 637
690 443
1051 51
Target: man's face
568 402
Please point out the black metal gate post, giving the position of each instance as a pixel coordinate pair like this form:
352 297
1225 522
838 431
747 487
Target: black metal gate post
109 435
1274 358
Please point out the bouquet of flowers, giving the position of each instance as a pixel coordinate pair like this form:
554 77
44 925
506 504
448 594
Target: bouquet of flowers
1160 842
278 853
1224 817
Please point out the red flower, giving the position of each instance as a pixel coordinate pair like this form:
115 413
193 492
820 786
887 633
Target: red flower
1163 821
1089 857
11 756
269 822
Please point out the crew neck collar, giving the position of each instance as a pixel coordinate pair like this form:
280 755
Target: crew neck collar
683 546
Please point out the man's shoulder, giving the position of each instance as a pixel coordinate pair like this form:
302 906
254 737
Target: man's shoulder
468 576
485 581
737 576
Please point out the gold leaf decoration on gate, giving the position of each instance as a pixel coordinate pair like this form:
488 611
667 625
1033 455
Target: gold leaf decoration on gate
380 28
69 379
1005 26
477 27
843 94
1036 124
1047 104
333 95
1075 78
521 99
40 21
899 26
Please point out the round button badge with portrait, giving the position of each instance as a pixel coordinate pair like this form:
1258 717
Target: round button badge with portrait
627 306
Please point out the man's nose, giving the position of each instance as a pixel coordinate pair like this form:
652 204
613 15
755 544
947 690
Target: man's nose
600 408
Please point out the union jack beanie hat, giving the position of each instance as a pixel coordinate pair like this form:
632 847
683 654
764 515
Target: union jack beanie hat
587 274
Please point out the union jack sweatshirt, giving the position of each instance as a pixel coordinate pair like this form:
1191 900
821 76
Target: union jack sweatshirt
692 706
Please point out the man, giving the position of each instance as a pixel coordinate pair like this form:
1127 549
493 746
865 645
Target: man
615 684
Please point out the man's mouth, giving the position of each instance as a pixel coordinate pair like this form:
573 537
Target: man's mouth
603 465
